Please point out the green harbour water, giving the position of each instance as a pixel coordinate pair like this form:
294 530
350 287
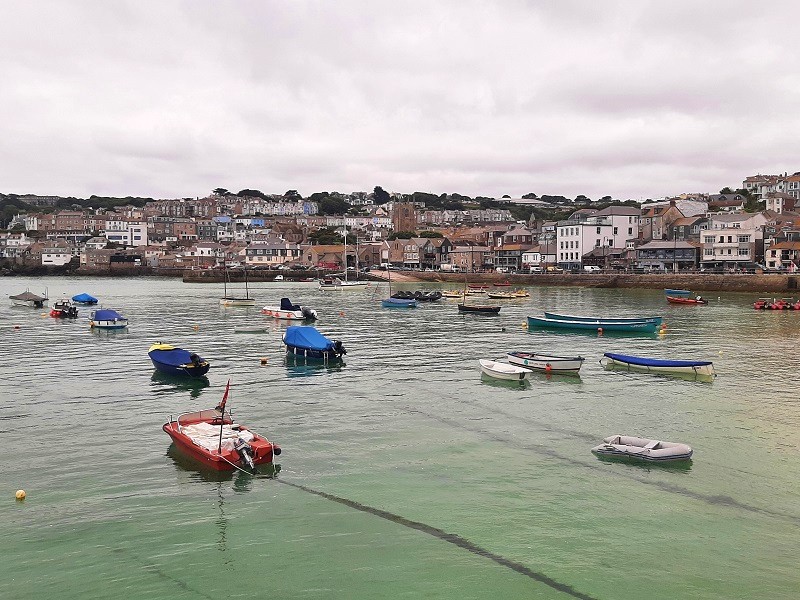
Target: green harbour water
405 473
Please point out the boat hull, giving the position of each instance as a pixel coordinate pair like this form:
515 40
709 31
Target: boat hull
698 369
546 362
399 303
183 370
689 301
326 355
503 371
286 315
488 310
560 317
237 301
629 326
642 449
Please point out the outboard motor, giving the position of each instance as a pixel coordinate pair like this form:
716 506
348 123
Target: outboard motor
245 453
195 359
338 347
309 314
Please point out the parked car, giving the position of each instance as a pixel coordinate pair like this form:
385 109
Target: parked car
591 268
536 269
554 269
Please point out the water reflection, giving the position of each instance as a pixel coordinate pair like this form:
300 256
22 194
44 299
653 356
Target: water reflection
242 480
505 383
298 366
679 466
193 385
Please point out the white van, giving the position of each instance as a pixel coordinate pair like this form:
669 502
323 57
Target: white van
591 268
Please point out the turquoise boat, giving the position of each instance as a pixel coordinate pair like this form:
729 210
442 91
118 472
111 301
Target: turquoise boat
598 324
678 293
551 315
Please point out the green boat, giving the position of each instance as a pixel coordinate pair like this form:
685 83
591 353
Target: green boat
552 315
595 325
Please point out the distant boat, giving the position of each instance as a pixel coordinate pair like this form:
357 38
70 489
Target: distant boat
212 438
629 447
596 325
84 299
452 294
177 361
476 308
27 298
700 369
562 317
107 319
338 284
546 362
64 309
679 293
394 302
290 312
500 370
307 342
231 300
683 300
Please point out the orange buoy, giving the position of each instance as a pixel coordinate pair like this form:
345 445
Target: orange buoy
548 368
341 313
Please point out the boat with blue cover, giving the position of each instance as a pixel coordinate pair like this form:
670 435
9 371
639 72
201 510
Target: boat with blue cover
393 302
84 299
552 315
106 318
699 369
177 361
306 341
595 325
678 293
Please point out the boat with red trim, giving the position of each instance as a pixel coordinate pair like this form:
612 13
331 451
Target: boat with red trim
215 440
680 300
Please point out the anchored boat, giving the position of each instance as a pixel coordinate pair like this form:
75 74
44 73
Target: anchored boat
306 341
546 362
629 447
505 371
290 312
595 325
700 369
107 319
27 298
177 361
84 299
64 309
562 317
681 300
212 438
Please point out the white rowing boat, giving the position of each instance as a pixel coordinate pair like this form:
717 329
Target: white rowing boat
624 446
506 371
546 362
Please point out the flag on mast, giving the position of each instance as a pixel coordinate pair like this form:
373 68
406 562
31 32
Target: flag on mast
221 405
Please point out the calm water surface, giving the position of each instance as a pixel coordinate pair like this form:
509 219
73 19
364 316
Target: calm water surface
404 472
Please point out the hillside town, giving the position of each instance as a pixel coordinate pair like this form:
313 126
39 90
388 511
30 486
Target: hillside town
754 228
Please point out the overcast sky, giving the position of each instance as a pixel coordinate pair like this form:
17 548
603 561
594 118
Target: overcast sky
169 99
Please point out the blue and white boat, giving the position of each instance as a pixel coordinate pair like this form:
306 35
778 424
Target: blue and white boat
108 319
698 369
392 302
307 342
678 293
177 361
84 299
596 325
552 315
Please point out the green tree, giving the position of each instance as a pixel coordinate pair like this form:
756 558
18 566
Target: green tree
430 234
333 206
381 196
221 192
726 190
252 194
292 195
401 235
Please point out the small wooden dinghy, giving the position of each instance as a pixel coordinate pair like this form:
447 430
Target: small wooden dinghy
506 371
699 369
546 362
624 446
478 308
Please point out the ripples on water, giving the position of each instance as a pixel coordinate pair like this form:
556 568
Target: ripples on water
408 425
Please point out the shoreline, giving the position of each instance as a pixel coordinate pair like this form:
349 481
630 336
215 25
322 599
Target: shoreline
727 282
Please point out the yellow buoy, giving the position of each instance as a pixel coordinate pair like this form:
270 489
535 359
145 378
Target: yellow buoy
21 494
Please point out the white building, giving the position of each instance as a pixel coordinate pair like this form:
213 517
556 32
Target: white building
612 227
125 232
732 238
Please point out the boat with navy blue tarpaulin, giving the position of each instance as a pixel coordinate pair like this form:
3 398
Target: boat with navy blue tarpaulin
177 361
105 318
306 341
700 369
84 299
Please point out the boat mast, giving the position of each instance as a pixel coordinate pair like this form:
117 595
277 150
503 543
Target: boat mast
345 251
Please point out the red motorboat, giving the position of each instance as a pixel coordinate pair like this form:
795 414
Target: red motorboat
502 284
212 438
679 300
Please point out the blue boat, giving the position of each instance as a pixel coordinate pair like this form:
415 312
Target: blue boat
678 293
700 369
177 361
84 299
596 325
107 319
306 341
399 303
551 315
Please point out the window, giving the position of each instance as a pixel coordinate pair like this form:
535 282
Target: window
744 251
598 231
730 239
630 230
615 230
744 239
708 251
722 239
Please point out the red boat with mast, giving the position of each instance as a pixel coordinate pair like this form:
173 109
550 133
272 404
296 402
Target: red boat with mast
212 438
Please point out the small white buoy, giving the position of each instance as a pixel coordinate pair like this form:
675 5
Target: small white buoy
20 495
